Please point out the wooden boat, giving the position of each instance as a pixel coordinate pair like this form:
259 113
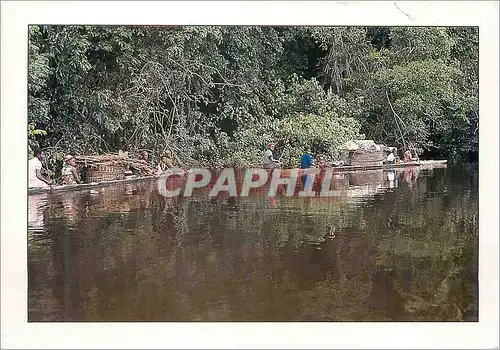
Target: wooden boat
284 172
420 163
347 168
89 186
93 185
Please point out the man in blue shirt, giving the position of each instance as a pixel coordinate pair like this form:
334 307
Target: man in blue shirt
306 161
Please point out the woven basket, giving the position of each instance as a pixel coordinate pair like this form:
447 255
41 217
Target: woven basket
102 173
367 158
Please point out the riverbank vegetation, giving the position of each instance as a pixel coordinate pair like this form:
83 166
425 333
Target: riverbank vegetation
217 95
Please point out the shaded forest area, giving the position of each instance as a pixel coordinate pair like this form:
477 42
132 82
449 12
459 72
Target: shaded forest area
217 95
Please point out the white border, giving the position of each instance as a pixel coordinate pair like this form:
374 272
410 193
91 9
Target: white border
16 333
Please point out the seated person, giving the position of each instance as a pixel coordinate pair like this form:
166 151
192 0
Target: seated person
390 158
147 169
165 163
144 156
69 172
407 156
268 161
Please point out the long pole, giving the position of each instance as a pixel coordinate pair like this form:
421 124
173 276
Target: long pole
284 148
410 145
395 114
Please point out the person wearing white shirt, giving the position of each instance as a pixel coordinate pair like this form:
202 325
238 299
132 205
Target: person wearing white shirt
268 161
35 178
390 158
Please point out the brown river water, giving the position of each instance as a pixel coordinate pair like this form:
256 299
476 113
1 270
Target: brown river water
391 246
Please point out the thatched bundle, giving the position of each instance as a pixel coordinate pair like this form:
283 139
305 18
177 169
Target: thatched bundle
363 153
108 167
362 145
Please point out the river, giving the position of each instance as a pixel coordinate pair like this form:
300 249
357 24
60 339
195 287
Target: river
392 246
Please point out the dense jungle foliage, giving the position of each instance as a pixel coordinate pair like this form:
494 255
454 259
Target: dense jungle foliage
217 95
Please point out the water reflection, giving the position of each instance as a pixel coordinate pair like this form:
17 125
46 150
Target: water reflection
391 246
36 205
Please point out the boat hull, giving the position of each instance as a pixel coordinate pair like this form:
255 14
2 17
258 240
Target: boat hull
433 163
283 173
393 166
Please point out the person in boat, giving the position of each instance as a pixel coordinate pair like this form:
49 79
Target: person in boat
144 156
165 163
390 157
35 177
306 162
268 160
162 166
407 156
321 162
69 173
